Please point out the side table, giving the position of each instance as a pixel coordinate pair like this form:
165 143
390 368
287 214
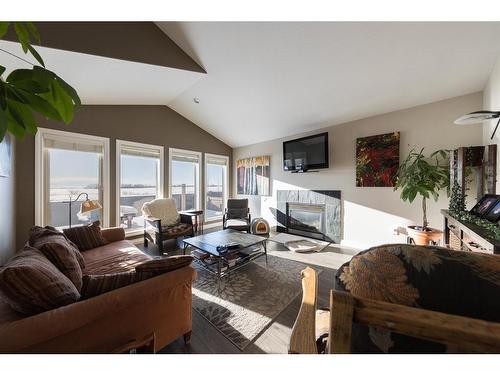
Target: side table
197 218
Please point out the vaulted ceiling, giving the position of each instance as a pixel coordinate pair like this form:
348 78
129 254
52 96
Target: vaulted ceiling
256 81
268 80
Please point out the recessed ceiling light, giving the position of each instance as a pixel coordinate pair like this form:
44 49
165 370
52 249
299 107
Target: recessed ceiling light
196 100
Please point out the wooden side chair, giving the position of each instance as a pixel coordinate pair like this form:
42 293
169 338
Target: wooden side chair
459 334
163 222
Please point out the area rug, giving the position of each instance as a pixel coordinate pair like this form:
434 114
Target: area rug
249 299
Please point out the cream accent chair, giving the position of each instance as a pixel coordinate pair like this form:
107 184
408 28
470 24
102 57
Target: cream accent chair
163 222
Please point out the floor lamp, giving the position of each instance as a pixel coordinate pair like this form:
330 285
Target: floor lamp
87 205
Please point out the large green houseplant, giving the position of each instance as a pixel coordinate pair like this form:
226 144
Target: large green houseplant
423 177
36 90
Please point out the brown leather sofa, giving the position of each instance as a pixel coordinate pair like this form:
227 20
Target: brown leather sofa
159 306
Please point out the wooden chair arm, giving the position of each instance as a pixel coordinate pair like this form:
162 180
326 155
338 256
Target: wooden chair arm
303 339
154 221
460 333
186 219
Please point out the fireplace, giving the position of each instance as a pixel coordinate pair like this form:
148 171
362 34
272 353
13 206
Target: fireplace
305 217
312 213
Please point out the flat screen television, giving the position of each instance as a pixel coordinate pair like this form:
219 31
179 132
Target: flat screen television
300 155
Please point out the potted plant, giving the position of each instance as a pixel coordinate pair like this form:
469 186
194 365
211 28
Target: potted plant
31 91
425 177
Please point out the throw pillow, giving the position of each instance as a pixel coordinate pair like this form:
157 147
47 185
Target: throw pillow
86 237
31 284
161 265
60 251
94 285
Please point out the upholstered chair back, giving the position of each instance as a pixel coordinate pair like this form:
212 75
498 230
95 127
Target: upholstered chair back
429 277
163 209
237 208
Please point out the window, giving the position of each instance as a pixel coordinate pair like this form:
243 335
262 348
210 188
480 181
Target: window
216 185
139 176
68 164
184 182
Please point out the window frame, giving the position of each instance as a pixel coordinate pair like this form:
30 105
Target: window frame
119 144
171 152
40 169
205 181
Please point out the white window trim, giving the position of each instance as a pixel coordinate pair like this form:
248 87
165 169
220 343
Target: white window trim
226 186
40 170
172 151
119 144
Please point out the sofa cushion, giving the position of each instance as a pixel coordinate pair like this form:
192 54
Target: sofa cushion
428 277
60 251
114 257
94 285
86 237
177 230
31 284
161 264
163 209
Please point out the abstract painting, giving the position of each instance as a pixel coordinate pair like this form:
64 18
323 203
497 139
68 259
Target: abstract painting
253 175
377 160
5 157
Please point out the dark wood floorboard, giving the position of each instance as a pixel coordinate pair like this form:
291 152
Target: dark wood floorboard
206 339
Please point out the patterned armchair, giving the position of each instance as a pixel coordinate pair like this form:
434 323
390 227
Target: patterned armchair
407 299
163 222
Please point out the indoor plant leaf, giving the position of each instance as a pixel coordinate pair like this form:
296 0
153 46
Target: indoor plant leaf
29 91
60 100
4 27
36 55
22 115
14 127
70 91
3 124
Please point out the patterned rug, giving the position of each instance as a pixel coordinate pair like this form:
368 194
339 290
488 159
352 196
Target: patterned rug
247 301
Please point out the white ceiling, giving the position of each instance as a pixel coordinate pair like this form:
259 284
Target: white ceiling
269 80
102 80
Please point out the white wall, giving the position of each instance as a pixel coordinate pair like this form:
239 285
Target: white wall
491 101
7 215
371 214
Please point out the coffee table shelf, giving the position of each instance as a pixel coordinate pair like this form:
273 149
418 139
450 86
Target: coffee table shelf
218 263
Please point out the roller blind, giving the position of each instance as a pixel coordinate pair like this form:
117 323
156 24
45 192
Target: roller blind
185 156
140 151
215 160
62 143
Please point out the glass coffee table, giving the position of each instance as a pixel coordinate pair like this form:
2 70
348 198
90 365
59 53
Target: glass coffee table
223 263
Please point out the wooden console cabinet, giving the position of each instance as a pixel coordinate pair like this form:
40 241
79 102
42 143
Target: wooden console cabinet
467 236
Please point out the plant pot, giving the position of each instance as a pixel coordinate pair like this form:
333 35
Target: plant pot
423 238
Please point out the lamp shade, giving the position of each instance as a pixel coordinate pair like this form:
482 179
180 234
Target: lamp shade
476 117
89 206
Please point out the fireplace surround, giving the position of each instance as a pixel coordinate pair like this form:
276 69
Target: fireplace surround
313 213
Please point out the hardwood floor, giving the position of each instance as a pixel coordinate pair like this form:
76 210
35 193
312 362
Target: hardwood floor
206 339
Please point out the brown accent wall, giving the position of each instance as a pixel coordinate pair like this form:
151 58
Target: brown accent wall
141 42
157 125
